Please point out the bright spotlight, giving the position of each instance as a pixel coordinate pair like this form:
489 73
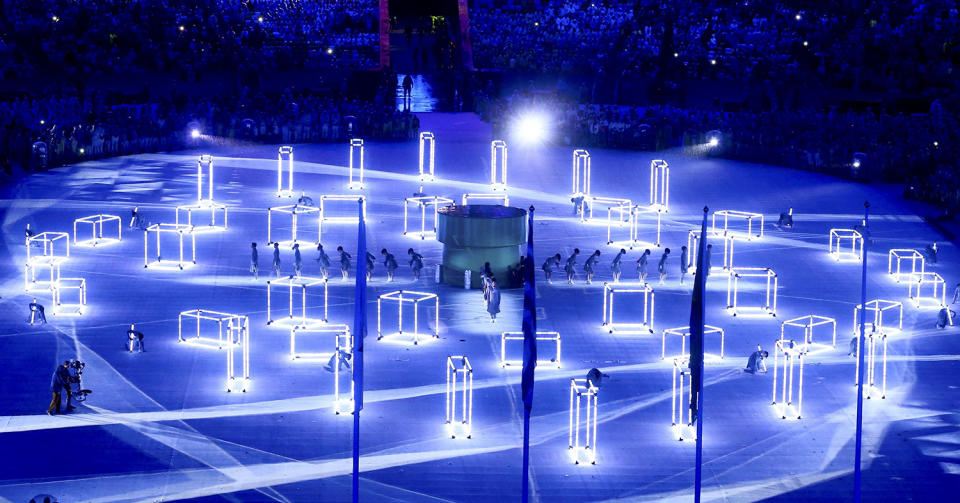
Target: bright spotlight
714 141
856 163
531 129
194 133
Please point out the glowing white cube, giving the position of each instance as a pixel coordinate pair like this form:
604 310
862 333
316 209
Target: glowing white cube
459 390
644 325
97 236
788 359
743 277
515 339
298 313
583 396
414 299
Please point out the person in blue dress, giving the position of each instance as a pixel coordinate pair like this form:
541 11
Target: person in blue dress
390 263
254 261
756 361
276 259
662 265
297 260
589 265
549 265
323 260
345 264
684 263
615 266
416 263
493 300
570 267
371 263
642 265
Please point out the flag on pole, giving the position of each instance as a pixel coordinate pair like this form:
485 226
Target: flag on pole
697 313
529 349
359 333
857 476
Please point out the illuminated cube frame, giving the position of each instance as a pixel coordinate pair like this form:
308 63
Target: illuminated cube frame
302 283
808 324
933 283
350 218
416 298
343 342
504 198
693 246
620 221
498 183
552 337
285 153
873 339
659 184
581 390
211 206
646 326
684 333
239 329
733 290
205 160
838 237
356 183
459 371
428 143
48 243
69 308
52 265
621 205
879 307
581 173
749 235
681 377
897 257
422 202
233 322
788 355
295 211
180 230
96 230
635 223
301 330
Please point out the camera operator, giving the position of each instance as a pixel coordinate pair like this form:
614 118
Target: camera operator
60 383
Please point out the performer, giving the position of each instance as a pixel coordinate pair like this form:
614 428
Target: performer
254 261
493 300
390 263
615 265
416 263
323 260
684 262
549 265
642 265
662 265
756 361
371 262
276 258
571 263
588 265
344 262
297 260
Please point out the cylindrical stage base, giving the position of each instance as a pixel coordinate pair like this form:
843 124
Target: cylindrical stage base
475 234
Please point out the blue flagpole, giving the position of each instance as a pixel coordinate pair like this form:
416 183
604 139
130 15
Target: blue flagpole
359 333
860 347
697 320
529 352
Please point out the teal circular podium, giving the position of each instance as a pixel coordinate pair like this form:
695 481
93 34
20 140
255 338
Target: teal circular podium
475 234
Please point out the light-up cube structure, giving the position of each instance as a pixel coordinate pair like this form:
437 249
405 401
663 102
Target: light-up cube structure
788 359
693 246
285 156
459 389
681 396
356 181
502 199
205 162
293 285
583 395
902 264
810 324
516 339
428 147
96 230
752 231
927 290
415 299
330 215
619 205
296 213
635 225
881 311
846 245
751 275
683 333
228 328
644 326
422 203
324 332
581 173
51 244
180 230
206 206
238 329
620 222
31 272
343 394
73 307
498 165
660 184
875 341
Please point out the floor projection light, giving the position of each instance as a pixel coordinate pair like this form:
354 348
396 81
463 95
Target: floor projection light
927 290
903 263
752 275
297 311
645 326
428 147
498 165
422 203
51 244
501 199
238 329
206 206
35 269
329 205
205 162
876 342
96 235
180 230
788 359
581 173
887 316
659 184
583 396
76 303
285 156
846 245
416 299
323 335
693 246
296 213
227 325
752 230
810 324
356 180
515 357
459 390
684 333
681 395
